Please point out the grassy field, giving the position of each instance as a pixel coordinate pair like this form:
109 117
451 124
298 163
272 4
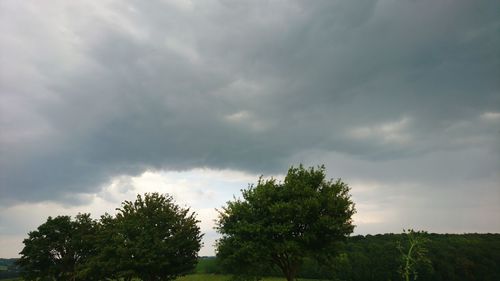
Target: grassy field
218 277
205 277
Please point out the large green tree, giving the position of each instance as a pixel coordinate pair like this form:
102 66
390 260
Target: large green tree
151 238
58 248
281 223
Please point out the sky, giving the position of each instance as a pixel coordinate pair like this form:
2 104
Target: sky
104 100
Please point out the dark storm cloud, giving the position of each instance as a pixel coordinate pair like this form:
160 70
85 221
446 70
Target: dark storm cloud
90 91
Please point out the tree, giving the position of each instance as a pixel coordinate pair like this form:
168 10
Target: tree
413 253
279 224
58 248
151 238
108 262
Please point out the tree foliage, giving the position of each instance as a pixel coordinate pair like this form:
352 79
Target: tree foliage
58 248
281 223
151 238
453 257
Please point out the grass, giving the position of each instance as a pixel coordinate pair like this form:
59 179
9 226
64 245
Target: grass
202 277
220 277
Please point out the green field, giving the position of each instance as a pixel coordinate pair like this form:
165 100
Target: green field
220 277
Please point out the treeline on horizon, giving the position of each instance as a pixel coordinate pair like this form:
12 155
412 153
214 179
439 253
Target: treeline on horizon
376 258
452 257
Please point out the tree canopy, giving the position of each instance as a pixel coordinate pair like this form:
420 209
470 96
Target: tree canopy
151 238
58 248
281 223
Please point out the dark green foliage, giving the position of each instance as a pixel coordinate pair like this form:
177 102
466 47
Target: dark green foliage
108 261
465 257
453 257
151 238
58 248
373 257
280 224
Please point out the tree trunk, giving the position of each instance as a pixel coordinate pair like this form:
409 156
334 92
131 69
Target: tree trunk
289 274
288 267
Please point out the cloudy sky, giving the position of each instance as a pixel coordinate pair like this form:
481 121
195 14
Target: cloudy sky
101 100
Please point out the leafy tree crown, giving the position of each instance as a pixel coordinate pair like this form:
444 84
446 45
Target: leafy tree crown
306 215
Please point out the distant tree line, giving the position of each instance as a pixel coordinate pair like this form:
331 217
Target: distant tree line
8 268
453 257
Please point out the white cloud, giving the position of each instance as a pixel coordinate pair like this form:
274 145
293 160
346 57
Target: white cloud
247 119
491 116
238 116
395 132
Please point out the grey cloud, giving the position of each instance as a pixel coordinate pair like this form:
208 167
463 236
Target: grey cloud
89 91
